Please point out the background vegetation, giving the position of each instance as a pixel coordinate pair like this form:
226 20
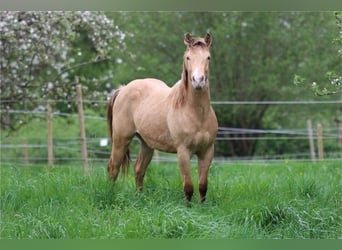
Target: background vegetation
255 57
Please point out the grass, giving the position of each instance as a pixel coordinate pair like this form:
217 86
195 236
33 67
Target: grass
253 201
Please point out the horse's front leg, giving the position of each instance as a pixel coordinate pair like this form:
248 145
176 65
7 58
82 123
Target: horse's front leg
204 161
184 156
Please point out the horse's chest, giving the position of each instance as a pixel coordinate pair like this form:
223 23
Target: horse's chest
201 138
193 132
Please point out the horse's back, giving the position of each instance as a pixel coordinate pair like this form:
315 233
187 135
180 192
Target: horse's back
140 96
137 91
142 107
147 86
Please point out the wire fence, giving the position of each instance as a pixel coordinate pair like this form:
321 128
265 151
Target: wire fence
66 150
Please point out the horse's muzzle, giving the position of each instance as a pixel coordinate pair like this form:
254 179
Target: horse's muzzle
198 85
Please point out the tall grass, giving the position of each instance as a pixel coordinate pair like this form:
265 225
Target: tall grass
278 200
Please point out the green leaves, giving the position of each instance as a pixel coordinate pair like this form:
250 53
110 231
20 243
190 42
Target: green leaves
256 56
333 85
41 49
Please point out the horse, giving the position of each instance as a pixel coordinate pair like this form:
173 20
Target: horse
177 119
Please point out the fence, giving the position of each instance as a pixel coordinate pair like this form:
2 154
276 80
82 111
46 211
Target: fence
97 149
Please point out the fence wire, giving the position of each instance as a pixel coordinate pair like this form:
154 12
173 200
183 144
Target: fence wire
98 153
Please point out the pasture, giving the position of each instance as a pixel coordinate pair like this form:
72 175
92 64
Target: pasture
258 200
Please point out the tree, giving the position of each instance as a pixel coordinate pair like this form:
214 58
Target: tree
42 52
263 49
254 58
334 85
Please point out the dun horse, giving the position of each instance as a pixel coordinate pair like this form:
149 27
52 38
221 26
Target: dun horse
176 120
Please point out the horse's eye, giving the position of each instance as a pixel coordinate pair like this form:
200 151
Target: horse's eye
187 58
208 58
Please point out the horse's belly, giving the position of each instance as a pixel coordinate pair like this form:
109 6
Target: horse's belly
153 129
160 141
163 145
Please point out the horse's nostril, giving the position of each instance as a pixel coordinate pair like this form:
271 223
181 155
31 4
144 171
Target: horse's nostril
198 79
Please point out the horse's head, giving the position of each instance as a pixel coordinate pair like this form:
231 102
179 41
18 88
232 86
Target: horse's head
196 60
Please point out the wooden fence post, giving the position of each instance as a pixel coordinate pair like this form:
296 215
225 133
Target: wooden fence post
82 128
50 135
320 141
311 141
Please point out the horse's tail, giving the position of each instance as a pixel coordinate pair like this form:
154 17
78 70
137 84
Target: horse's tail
110 112
126 159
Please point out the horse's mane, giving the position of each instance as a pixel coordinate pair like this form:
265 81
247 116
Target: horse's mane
178 93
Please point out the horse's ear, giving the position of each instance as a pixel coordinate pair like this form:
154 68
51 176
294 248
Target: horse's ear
188 40
207 39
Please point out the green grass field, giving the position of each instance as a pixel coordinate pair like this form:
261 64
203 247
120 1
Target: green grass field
245 201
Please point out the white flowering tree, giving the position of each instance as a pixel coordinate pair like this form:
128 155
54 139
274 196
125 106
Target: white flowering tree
43 53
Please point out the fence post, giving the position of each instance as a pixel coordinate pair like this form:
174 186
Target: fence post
82 128
311 141
320 141
50 135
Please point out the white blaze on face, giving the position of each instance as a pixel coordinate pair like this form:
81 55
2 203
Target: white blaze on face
198 79
197 63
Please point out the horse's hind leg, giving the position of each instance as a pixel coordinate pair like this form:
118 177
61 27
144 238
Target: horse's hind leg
119 152
143 159
114 163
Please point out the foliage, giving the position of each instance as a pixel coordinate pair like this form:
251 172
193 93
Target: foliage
43 52
278 200
334 85
254 58
263 49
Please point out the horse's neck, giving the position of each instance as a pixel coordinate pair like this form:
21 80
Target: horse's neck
198 99
183 95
